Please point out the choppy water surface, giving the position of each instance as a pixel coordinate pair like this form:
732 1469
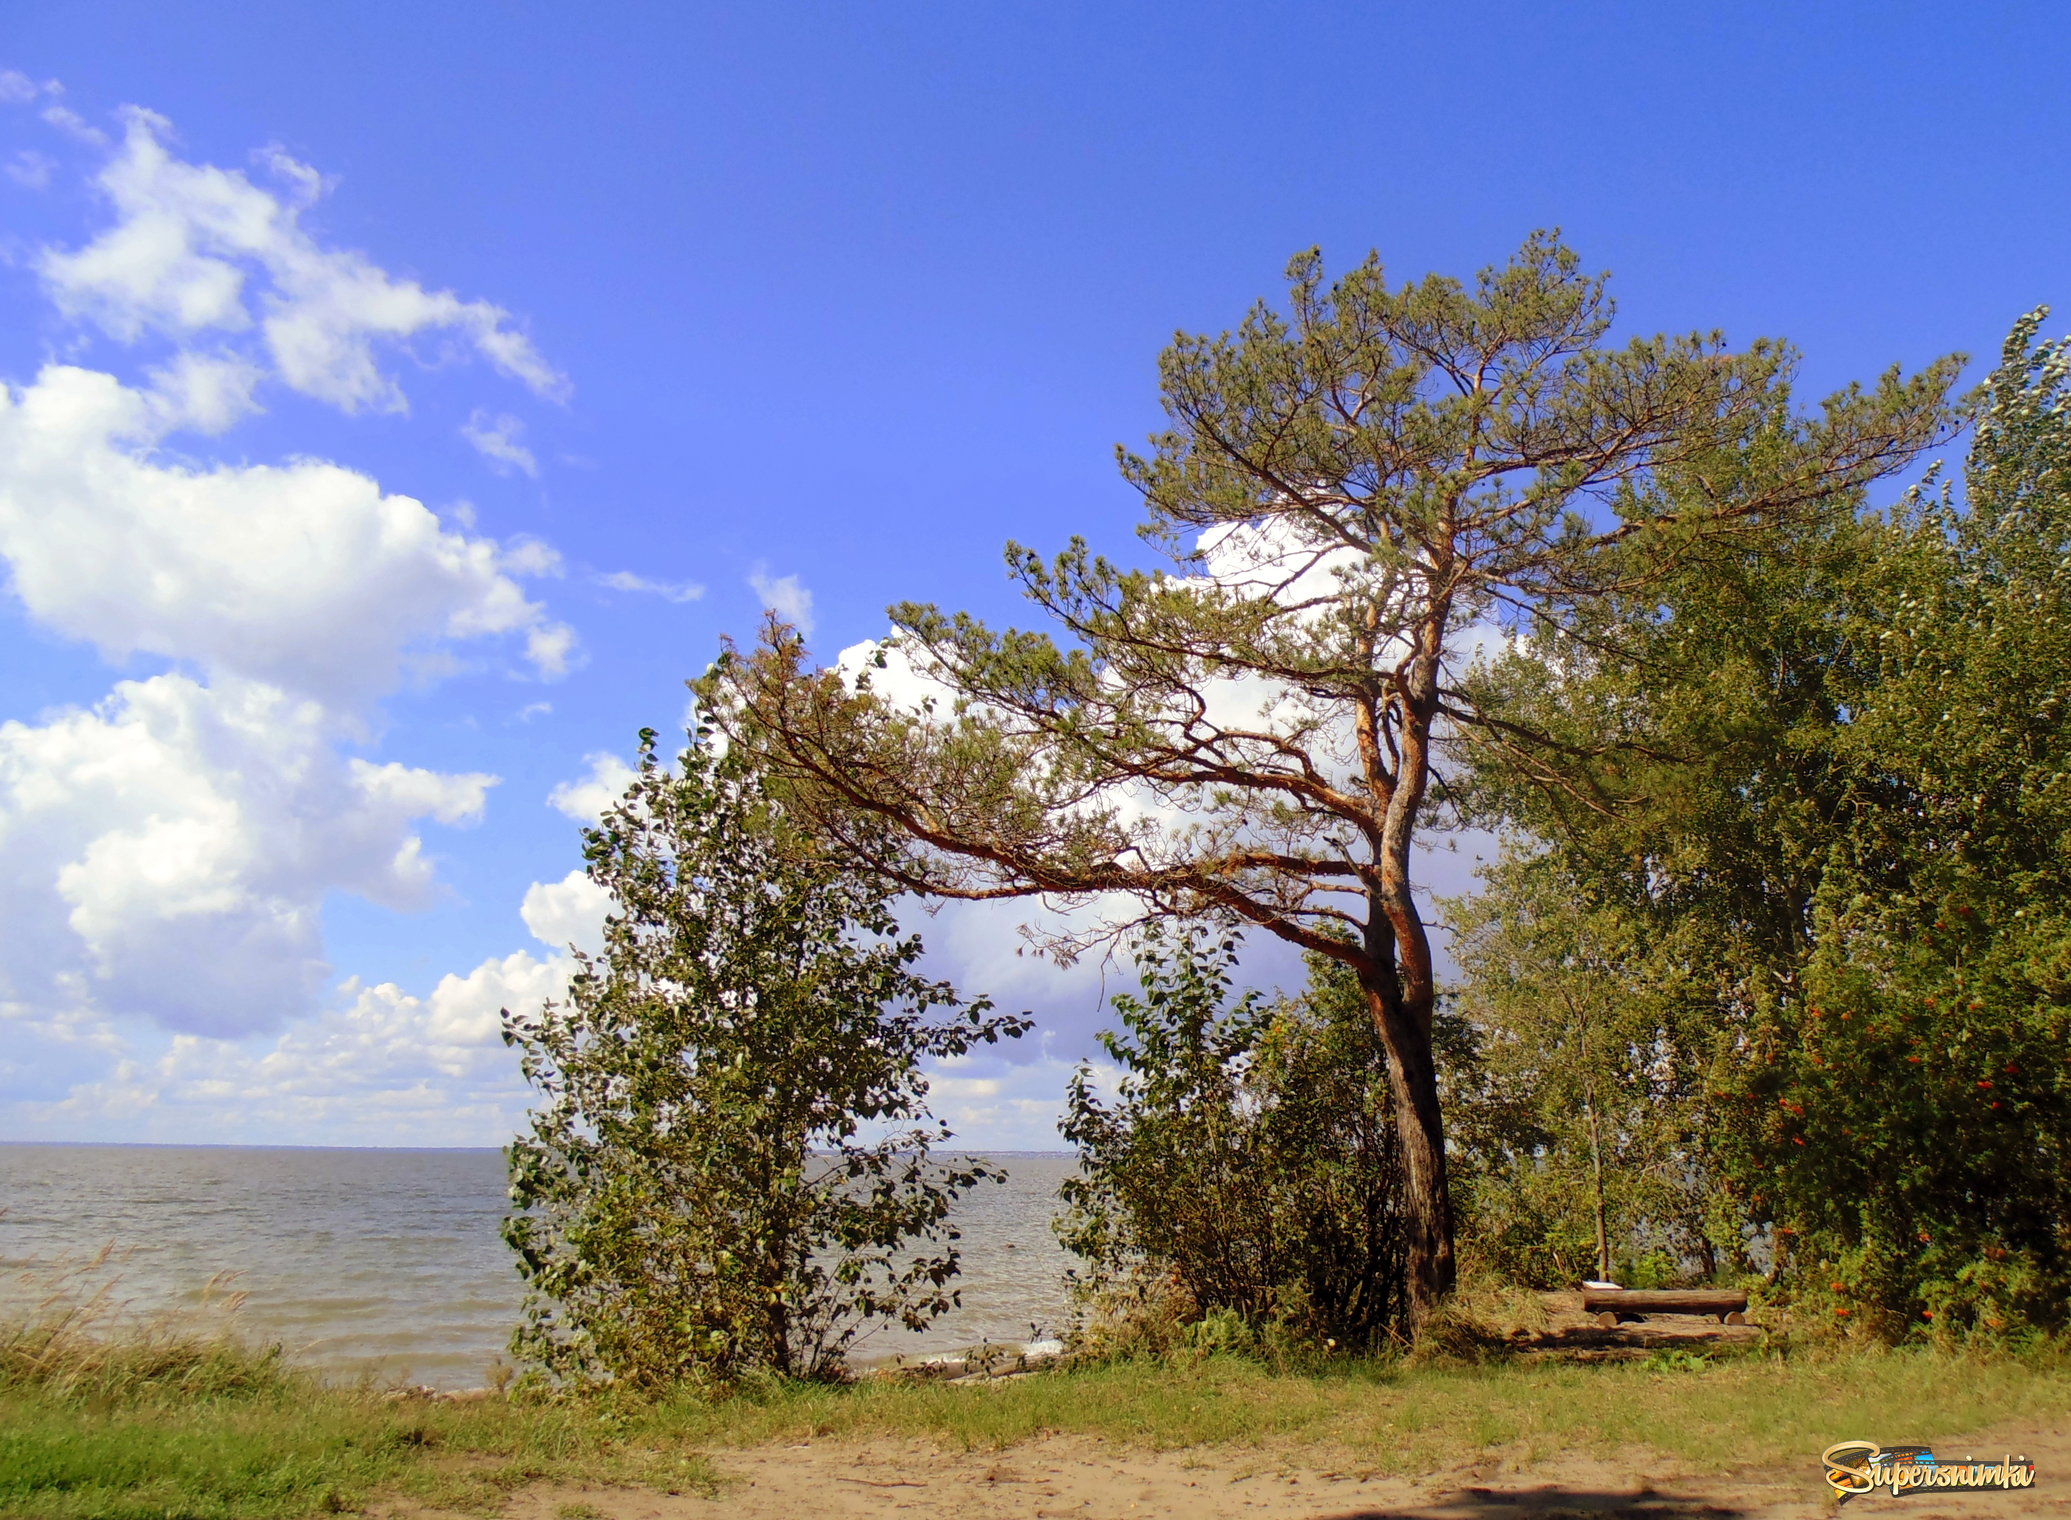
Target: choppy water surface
388 1262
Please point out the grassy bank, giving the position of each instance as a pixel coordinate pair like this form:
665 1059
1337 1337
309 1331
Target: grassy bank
206 1430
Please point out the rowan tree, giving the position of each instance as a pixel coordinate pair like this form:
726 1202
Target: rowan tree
1348 486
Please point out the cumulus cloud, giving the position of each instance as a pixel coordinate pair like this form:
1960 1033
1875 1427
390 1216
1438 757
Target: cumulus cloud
380 1064
497 439
196 248
304 575
567 913
175 843
167 852
786 596
209 393
586 800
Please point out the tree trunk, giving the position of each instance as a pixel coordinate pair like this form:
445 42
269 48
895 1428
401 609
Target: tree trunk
1427 1199
1399 983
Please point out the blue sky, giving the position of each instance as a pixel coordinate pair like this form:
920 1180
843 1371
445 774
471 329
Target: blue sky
415 395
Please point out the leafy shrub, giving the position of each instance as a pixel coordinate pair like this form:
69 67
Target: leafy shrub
1246 1172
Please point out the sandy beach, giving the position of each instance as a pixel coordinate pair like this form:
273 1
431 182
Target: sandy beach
1090 1479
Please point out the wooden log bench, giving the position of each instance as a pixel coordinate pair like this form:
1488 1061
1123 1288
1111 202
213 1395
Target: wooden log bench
1610 1306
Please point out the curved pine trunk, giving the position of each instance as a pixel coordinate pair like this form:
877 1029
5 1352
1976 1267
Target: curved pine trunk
1427 1197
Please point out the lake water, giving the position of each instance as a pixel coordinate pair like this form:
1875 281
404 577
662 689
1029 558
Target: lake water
388 1262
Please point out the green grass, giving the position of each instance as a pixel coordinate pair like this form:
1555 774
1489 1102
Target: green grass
308 1450
106 1414
204 1429
1392 1417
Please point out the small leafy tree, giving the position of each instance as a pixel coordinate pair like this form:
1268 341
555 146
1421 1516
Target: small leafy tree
1250 1157
696 1197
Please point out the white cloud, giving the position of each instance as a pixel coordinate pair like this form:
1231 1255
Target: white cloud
672 591
551 649
567 912
1015 1107
586 800
889 669
303 575
167 853
382 1064
174 845
786 596
496 439
16 88
387 1065
73 125
188 240
379 1065
210 393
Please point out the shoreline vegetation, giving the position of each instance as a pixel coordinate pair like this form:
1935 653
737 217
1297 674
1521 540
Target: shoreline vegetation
111 1418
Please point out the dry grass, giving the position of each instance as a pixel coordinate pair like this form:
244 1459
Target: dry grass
76 1338
112 1414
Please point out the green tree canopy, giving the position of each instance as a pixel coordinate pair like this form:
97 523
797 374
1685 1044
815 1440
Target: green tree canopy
1837 829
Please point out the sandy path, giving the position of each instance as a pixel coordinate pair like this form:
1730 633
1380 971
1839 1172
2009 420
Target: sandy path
1089 1480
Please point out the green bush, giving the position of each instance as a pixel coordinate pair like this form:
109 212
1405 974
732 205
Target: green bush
1246 1172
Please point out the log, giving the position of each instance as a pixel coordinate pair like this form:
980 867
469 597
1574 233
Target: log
1611 1343
1664 1301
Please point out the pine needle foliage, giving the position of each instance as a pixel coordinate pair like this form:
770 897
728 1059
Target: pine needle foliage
697 1196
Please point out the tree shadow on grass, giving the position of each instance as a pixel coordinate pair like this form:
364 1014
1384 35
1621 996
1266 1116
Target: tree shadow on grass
1547 1502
